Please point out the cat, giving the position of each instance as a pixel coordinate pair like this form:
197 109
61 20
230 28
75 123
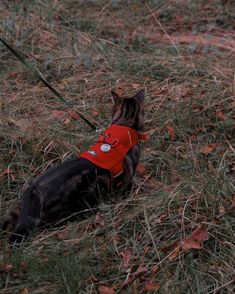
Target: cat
75 184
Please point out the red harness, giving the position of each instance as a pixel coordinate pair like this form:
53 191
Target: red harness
112 147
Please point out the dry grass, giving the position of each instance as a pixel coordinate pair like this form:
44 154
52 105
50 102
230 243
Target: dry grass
182 54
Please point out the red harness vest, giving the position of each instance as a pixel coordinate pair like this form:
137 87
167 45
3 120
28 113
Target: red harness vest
112 147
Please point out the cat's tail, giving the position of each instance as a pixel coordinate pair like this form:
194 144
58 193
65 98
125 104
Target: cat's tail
30 215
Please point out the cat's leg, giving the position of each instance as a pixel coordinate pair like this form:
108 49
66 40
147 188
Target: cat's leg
131 161
30 214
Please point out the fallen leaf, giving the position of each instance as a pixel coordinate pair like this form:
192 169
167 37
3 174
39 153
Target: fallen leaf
22 266
139 272
233 203
99 219
5 83
59 235
126 257
136 86
150 286
106 290
208 149
190 244
160 92
141 169
6 267
120 91
175 253
24 291
74 115
93 278
171 132
58 113
200 234
195 241
155 269
220 115
45 258
13 74
94 112
6 171
221 209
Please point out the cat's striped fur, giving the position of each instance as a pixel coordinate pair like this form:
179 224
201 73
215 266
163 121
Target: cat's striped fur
75 184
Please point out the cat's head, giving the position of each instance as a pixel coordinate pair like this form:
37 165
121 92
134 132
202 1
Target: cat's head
129 112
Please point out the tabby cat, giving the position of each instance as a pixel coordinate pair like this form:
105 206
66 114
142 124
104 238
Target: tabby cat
75 184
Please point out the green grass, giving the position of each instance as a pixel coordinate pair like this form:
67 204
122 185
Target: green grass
85 49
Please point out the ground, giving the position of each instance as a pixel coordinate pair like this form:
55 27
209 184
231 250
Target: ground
175 232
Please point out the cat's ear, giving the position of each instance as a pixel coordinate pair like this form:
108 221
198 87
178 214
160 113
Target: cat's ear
116 98
139 96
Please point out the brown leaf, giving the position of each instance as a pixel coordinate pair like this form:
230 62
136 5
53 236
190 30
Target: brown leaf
94 112
13 75
120 91
126 257
150 286
6 171
160 92
171 132
140 271
59 235
136 86
22 266
155 269
45 258
208 148
233 203
190 244
58 113
99 219
175 253
6 267
221 208
141 169
195 241
24 291
220 115
74 115
106 290
200 234
93 278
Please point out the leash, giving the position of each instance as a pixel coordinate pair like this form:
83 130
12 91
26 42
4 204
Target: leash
45 82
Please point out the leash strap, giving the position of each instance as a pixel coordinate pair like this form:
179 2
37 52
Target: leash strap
40 76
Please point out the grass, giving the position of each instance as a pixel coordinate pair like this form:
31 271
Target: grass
182 54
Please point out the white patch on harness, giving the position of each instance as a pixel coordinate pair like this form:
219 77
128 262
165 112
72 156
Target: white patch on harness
105 147
92 152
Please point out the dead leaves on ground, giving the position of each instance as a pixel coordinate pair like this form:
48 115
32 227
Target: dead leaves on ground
194 241
171 132
233 203
106 290
24 291
6 268
141 169
8 171
150 286
208 148
126 257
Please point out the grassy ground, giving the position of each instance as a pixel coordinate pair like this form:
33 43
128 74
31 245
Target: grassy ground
175 232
